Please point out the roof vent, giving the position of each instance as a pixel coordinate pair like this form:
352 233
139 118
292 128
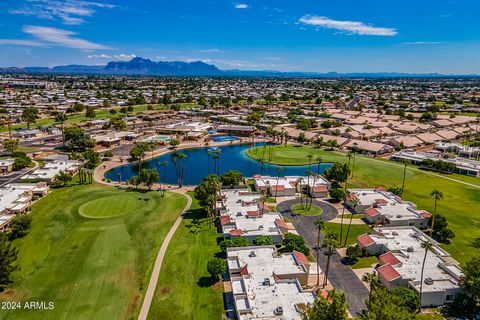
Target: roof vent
410 249
278 311
252 254
266 281
429 281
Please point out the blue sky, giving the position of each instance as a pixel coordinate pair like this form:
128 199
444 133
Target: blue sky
291 35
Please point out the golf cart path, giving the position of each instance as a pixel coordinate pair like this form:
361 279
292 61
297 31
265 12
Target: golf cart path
423 171
152 284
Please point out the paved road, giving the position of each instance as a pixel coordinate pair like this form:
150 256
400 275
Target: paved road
340 276
147 301
16 176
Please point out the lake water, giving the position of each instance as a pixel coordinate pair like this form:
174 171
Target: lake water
198 165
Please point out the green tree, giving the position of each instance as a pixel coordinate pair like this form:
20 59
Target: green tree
148 177
19 226
337 174
407 298
427 246
216 267
437 195
62 178
320 224
232 243
329 242
384 305
92 159
293 242
90 113
77 139
8 256
332 307
469 299
263 240
208 192
373 281
29 116
135 181
10 145
337 194
61 117
231 178
174 142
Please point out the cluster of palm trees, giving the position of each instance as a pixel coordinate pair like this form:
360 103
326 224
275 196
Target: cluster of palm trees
214 153
178 159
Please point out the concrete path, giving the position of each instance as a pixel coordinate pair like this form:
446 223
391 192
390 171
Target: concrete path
347 220
147 301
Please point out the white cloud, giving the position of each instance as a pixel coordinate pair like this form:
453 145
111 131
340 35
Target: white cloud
71 12
241 6
352 27
214 50
420 43
120 56
16 42
62 38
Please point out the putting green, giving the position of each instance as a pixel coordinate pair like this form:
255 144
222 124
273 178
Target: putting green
112 206
314 210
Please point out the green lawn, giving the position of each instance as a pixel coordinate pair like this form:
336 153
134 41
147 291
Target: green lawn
312 211
355 230
365 262
90 268
461 203
184 289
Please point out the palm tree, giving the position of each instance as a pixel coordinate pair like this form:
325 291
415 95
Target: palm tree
329 242
308 173
319 163
405 163
279 171
343 214
354 150
355 203
320 224
163 164
373 280
216 158
427 245
61 117
437 195
209 154
309 156
182 157
315 176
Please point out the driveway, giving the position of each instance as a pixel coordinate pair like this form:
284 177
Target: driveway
340 276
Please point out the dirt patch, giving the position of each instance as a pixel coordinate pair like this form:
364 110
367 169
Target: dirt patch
163 291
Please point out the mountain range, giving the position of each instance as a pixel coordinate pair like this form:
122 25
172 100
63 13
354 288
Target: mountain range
146 67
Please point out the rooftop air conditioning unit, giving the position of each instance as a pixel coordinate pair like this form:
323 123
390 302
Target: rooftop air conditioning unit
278 311
410 249
395 233
429 281
266 281
252 254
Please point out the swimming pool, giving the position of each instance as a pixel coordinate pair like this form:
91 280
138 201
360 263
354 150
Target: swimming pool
199 163
224 138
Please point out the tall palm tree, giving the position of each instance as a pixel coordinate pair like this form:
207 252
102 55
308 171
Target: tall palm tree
355 204
373 280
216 159
163 164
182 157
319 163
310 156
279 171
320 224
61 117
345 197
315 176
427 245
405 163
354 149
329 242
209 155
308 173
437 195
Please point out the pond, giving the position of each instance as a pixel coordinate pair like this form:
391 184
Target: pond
198 165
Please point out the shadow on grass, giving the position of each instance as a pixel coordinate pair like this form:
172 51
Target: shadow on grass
205 282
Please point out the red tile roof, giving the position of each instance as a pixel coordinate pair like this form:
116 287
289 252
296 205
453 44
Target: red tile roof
281 223
389 258
426 214
380 188
278 188
365 240
371 212
224 220
300 257
244 270
321 188
381 201
253 214
388 273
235 232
